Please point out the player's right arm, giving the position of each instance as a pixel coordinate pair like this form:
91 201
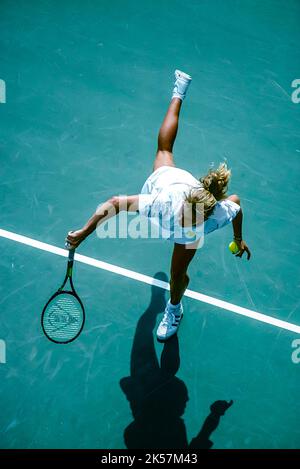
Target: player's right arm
107 210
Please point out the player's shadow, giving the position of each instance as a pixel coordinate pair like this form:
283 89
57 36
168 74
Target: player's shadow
157 397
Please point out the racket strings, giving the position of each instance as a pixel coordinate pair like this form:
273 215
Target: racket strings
63 317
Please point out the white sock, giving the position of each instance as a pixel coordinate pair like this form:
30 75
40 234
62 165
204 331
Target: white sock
175 309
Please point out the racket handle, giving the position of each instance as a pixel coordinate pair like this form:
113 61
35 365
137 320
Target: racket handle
71 255
67 245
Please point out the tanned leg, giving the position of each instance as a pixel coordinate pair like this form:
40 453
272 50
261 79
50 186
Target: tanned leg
167 135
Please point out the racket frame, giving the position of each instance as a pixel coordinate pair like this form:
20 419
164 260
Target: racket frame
71 292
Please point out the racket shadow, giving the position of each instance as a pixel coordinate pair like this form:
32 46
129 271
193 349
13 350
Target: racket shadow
157 397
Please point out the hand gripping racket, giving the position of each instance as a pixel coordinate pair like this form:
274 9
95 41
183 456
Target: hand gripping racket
63 316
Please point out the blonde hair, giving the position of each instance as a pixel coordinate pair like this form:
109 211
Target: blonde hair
214 188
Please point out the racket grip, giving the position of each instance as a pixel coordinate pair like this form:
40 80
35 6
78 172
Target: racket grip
68 246
71 255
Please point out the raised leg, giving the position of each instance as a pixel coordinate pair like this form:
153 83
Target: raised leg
167 135
168 130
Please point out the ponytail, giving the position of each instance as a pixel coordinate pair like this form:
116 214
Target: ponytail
214 187
216 181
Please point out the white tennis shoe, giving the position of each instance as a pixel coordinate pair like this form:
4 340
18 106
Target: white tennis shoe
182 82
170 322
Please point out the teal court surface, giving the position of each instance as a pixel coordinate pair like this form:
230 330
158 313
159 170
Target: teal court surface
87 85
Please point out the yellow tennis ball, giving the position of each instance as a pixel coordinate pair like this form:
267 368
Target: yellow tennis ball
233 247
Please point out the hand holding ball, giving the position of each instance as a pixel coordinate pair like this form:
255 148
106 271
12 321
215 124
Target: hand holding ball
233 247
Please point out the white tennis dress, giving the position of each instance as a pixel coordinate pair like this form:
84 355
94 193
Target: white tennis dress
161 200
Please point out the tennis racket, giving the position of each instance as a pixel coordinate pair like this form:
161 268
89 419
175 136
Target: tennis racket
63 316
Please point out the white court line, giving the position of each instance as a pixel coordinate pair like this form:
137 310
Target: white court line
151 281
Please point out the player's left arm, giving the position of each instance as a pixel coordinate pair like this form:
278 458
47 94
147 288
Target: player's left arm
237 225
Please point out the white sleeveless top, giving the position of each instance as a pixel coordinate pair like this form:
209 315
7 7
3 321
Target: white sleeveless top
161 200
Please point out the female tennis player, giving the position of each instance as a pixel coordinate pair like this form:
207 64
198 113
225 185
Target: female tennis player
181 206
